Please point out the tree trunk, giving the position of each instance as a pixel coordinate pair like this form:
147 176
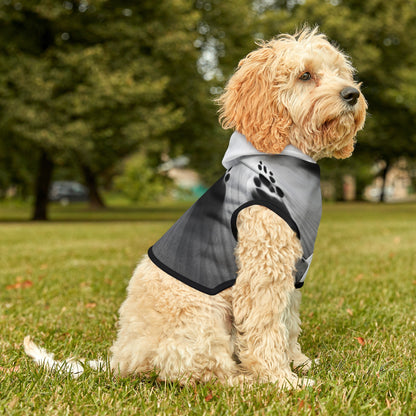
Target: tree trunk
90 178
384 177
42 185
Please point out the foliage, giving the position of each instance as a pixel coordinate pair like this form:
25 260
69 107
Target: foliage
223 37
63 284
86 92
86 83
91 83
139 181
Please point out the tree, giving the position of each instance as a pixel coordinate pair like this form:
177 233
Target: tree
88 83
223 35
82 83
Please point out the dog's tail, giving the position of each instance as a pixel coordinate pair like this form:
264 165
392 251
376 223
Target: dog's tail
72 366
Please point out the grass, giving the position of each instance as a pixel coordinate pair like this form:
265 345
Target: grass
62 282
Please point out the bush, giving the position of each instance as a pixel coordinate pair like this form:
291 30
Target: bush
141 182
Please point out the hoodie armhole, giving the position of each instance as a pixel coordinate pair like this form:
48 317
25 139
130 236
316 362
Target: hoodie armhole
278 208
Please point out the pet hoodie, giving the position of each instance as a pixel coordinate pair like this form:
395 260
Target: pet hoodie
199 248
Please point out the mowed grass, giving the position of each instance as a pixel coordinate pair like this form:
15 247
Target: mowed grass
63 282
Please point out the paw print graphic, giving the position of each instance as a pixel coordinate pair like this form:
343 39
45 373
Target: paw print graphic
266 179
227 175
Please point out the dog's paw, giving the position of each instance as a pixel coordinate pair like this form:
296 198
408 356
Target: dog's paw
306 382
304 364
297 383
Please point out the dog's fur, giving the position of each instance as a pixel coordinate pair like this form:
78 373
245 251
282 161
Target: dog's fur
248 332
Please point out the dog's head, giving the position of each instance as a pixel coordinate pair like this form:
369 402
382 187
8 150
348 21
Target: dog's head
296 90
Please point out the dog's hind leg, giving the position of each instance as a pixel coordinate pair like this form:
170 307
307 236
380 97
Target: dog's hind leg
171 328
199 345
196 351
266 255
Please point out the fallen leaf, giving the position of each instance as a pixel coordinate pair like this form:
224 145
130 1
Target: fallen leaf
91 305
360 340
11 287
350 312
20 285
209 397
359 277
414 282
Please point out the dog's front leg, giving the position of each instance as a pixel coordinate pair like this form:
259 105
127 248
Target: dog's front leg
299 360
266 255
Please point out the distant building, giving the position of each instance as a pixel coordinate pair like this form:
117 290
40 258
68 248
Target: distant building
398 185
188 181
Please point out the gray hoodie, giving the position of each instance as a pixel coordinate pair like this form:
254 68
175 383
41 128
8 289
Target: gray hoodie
199 248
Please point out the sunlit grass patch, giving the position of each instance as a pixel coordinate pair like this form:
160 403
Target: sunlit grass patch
63 282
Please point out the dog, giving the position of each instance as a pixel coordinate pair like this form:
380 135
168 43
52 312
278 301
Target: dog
217 297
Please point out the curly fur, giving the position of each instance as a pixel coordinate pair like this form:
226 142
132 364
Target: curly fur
266 101
230 337
248 332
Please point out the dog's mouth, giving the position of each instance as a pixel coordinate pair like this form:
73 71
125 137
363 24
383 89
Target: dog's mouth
331 124
347 120
327 124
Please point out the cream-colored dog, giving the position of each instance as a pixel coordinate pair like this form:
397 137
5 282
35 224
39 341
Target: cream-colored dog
294 92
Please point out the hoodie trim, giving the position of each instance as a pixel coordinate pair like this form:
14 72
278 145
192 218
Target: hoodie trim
277 207
189 282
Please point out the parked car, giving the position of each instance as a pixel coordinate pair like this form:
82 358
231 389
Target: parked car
68 191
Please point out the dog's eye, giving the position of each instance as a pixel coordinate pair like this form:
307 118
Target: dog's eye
306 76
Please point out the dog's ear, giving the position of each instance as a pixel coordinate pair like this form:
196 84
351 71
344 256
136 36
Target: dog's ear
251 104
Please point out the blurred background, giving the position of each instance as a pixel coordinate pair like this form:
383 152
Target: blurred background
106 101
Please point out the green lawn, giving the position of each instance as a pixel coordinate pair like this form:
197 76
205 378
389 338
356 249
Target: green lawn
62 282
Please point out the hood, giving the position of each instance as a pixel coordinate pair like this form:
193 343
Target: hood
239 147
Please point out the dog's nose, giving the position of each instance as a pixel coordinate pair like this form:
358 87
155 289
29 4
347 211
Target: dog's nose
350 95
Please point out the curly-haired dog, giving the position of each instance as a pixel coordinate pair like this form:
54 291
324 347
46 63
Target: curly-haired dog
217 297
